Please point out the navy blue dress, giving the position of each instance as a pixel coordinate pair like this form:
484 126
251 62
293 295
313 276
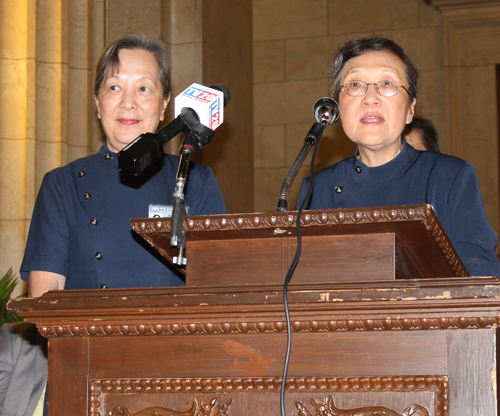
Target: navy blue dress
80 226
414 177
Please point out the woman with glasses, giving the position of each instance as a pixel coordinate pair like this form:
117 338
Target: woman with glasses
375 84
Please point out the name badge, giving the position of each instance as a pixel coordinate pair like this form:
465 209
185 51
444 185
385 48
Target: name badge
162 211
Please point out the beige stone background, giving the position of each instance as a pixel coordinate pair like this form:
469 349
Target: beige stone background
273 56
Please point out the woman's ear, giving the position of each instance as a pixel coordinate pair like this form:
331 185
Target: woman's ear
164 106
411 111
96 99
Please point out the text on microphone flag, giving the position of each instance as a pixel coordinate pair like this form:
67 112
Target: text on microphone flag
205 101
199 94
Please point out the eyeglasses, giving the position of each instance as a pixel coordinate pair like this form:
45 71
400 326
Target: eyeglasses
386 87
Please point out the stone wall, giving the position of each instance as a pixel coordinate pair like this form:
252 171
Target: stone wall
272 54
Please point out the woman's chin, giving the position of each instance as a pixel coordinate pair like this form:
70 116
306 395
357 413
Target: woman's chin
378 144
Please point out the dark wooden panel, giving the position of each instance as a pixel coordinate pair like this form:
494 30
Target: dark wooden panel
220 263
335 258
67 388
471 363
266 261
258 355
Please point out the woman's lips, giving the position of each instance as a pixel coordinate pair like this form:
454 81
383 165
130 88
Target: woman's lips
128 121
372 118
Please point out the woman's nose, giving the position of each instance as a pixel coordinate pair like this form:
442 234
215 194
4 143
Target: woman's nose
371 95
129 101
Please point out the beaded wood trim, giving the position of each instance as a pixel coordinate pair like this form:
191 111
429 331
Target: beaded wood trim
210 328
437 385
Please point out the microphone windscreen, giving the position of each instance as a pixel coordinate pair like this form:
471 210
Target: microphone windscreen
225 91
326 110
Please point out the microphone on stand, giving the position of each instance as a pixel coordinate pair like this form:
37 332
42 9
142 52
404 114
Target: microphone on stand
197 108
325 111
208 103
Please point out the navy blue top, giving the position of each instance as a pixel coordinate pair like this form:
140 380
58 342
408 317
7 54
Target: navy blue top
83 209
414 177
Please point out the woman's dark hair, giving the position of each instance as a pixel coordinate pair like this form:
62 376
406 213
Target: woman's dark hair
110 60
427 131
358 46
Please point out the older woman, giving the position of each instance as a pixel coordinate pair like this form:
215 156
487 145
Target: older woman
80 234
375 84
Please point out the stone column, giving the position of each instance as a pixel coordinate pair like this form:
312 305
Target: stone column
227 59
98 35
50 84
14 112
79 75
182 31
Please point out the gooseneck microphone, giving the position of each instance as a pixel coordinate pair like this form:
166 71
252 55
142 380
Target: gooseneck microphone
325 111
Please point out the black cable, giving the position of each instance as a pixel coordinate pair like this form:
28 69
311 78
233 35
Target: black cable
289 275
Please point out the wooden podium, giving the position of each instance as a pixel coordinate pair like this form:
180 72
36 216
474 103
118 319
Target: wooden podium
385 322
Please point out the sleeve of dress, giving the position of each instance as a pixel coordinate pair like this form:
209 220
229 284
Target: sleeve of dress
469 229
203 195
47 245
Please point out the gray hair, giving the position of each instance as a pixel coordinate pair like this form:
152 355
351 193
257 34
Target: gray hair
110 59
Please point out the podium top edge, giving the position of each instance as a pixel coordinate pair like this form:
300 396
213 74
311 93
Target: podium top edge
424 213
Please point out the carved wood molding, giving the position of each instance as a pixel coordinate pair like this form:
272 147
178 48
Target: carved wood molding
328 408
438 385
210 328
314 218
199 407
288 219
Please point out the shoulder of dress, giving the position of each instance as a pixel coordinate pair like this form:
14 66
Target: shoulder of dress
339 166
83 164
443 162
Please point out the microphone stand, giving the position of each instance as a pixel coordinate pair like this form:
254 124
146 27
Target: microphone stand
311 139
198 137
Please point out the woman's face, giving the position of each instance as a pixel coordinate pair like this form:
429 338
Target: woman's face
374 122
130 102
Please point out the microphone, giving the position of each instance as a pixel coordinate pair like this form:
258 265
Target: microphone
207 102
326 111
198 109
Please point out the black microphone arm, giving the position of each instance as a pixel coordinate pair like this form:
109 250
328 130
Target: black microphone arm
325 111
148 148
